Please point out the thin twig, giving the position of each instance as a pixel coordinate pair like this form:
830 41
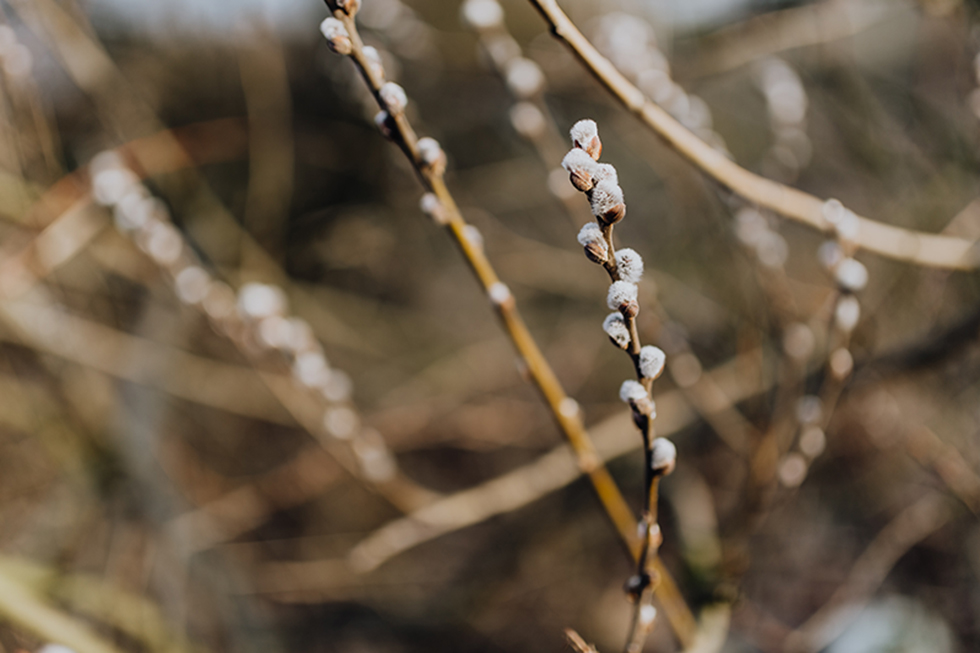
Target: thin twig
887 240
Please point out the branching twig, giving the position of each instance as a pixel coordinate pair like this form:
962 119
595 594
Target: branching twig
894 242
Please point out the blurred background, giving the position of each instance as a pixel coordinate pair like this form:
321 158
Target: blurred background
235 354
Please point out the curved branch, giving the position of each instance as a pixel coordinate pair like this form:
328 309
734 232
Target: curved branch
907 245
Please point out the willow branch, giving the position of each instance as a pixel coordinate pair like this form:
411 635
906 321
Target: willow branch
893 242
564 409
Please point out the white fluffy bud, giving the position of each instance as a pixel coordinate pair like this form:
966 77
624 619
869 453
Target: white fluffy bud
590 237
652 361
847 313
585 135
632 391
527 120
606 172
433 208
432 154
581 169
259 300
852 275
621 293
524 78
629 264
615 327
394 97
664 457
336 34
606 197
482 14
829 254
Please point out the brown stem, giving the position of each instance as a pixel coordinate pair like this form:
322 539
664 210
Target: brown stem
543 376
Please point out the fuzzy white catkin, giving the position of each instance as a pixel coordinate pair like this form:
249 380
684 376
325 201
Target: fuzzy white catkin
606 172
829 254
373 57
832 211
394 97
583 132
482 14
112 184
579 161
524 78
590 233
191 284
499 293
527 120
258 300
615 327
606 195
620 293
632 391
652 361
629 264
337 36
852 275
664 455
429 203
847 313
429 150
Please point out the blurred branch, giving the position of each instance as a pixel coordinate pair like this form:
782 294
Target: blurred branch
887 240
265 82
786 29
21 605
916 522
129 613
211 383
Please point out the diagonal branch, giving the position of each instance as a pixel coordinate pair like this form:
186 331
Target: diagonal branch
893 242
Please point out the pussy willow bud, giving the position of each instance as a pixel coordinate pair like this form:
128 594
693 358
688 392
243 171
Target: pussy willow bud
500 295
590 237
433 208
634 394
374 62
622 298
581 168
482 14
652 361
847 313
432 155
524 77
615 327
384 124
629 265
394 97
851 275
605 172
349 7
664 456
607 202
585 136
337 37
